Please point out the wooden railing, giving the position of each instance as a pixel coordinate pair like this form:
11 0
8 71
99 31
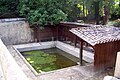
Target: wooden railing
60 32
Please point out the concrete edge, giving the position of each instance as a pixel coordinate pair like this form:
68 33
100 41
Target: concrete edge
44 45
10 68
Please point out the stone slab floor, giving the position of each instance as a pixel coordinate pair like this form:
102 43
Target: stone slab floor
71 73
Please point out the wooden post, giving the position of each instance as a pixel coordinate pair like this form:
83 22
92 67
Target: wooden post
39 35
57 32
81 52
75 40
35 34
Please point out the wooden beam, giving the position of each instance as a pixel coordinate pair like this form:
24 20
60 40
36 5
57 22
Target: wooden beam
81 52
75 40
57 32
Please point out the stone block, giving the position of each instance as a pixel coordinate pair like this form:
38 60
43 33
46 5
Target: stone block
117 67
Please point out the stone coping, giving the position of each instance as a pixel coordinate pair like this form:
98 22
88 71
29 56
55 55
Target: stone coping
63 46
12 19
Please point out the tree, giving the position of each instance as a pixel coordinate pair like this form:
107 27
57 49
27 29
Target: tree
100 8
116 10
70 7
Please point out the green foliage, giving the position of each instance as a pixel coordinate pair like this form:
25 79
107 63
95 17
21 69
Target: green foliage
42 12
71 9
116 23
40 60
116 9
45 12
111 5
7 6
90 5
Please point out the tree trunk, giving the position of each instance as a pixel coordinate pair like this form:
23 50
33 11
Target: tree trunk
83 9
106 17
96 5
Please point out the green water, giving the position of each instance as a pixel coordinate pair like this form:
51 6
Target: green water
49 59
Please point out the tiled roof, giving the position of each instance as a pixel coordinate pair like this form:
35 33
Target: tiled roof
97 34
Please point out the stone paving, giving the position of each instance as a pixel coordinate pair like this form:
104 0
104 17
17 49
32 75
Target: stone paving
71 73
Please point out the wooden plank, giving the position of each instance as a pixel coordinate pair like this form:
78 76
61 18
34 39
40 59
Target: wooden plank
105 55
81 52
75 40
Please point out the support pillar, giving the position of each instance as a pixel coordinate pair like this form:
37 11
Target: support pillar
81 52
75 41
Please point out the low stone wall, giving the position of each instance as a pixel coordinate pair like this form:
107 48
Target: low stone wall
87 56
15 32
10 68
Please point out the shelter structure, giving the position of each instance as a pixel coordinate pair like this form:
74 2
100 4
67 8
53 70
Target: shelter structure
105 41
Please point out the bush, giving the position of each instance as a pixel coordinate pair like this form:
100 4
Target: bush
116 23
41 12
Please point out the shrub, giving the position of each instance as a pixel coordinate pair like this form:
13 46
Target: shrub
42 12
116 23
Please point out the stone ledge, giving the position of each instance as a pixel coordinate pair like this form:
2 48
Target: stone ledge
87 56
10 68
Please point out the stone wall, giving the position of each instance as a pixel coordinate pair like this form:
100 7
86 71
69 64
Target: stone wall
10 68
15 32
